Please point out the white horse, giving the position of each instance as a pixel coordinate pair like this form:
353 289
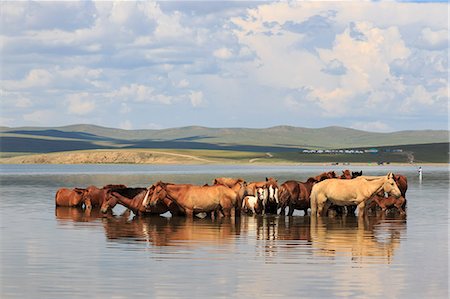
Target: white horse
350 192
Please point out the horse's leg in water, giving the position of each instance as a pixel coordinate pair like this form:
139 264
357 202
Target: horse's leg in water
189 213
291 210
325 207
361 208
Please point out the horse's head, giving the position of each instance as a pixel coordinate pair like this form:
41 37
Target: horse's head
109 203
272 187
331 175
262 195
390 186
346 175
158 193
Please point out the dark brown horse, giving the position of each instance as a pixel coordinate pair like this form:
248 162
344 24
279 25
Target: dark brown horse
296 195
132 199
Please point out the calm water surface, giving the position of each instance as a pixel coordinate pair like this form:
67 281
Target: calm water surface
58 253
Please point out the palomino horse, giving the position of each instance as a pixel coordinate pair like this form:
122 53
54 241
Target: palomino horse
350 192
194 199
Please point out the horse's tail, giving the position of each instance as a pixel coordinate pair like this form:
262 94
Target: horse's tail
313 199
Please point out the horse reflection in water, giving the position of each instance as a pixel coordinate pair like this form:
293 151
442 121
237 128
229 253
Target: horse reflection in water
370 240
373 239
68 215
174 231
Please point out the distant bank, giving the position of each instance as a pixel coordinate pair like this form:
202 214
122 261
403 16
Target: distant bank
194 145
174 156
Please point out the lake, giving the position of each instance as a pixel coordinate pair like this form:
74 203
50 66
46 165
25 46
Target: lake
69 253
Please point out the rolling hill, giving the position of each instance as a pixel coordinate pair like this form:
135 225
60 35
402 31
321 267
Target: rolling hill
279 139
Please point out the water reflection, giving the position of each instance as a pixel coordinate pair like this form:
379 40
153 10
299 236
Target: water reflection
67 215
373 239
282 238
175 231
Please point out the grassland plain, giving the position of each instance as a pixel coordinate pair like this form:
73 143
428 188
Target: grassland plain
198 145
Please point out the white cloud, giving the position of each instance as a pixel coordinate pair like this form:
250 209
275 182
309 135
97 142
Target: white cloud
328 61
23 103
183 83
196 98
435 38
223 53
80 104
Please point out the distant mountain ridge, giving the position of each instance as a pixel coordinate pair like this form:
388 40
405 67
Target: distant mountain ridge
278 136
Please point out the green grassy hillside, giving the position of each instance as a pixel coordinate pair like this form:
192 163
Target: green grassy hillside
426 145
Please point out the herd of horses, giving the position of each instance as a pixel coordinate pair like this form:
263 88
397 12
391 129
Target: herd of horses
324 194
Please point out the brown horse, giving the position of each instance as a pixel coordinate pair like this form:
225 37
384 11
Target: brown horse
296 195
94 197
385 203
132 199
69 197
194 199
271 206
325 175
229 182
346 174
350 192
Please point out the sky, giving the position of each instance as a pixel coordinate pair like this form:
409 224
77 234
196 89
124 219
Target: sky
376 66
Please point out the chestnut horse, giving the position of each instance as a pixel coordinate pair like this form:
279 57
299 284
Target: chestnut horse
350 192
388 202
296 195
229 182
132 199
94 197
69 197
194 199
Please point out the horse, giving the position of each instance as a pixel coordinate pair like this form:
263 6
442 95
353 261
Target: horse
194 199
239 186
132 199
346 174
388 202
325 175
94 197
69 197
271 206
350 192
296 195
229 182
254 204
